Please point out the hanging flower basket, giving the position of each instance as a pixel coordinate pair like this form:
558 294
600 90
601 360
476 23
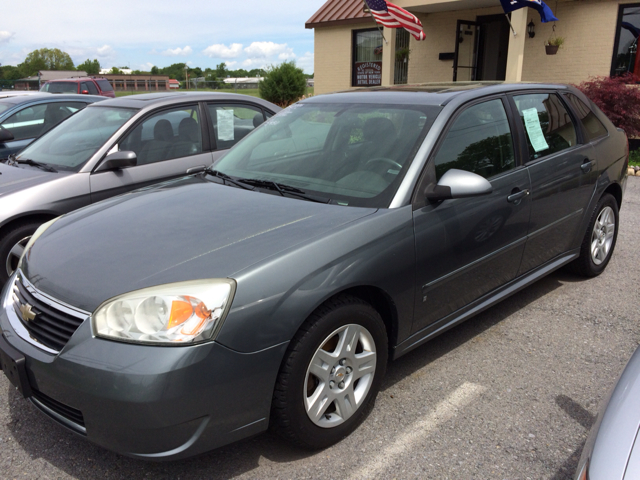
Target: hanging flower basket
551 49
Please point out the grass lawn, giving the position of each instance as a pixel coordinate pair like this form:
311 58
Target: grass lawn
244 91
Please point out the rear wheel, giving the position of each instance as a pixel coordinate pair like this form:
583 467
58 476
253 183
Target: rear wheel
331 374
12 245
599 240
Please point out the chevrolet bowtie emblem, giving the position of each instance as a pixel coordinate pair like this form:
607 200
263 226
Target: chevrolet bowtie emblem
26 312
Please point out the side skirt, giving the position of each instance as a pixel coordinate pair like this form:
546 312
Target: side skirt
480 305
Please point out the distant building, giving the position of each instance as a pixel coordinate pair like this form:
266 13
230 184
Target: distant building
149 83
31 83
243 82
174 84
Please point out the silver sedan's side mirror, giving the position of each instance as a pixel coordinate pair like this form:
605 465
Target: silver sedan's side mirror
118 160
458 184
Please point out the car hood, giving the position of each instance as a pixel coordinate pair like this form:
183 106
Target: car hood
18 178
183 230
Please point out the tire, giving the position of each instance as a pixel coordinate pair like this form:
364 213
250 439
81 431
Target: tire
10 243
336 373
599 240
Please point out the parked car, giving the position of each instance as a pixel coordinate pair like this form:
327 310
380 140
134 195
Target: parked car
124 144
82 85
611 451
24 117
271 289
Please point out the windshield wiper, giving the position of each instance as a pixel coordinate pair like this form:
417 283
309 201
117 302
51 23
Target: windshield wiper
284 189
227 179
33 163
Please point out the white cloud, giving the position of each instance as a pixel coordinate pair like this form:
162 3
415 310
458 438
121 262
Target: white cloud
220 50
306 62
266 49
146 67
231 64
5 36
178 52
105 51
289 55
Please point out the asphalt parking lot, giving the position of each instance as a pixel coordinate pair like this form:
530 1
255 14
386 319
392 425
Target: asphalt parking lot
511 394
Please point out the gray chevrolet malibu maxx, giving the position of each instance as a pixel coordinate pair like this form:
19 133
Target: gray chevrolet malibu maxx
272 289
129 143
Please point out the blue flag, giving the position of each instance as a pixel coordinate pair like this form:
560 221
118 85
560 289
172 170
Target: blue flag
546 15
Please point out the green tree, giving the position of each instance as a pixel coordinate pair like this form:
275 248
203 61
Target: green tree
46 59
221 70
175 71
115 71
9 72
155 70
284 84
91 67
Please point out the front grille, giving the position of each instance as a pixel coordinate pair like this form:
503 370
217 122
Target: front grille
53 324
69 413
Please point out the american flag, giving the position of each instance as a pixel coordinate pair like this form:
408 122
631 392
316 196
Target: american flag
392 16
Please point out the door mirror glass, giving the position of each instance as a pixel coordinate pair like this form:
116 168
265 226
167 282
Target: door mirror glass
458 184
118 160
5 135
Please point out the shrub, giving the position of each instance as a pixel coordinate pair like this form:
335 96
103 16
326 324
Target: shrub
618 99
283 85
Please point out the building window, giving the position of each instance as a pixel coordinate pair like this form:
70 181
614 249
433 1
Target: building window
367 58
625 54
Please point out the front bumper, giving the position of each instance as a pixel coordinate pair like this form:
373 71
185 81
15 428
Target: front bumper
150 402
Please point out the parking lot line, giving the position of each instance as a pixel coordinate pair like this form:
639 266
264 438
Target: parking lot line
443 412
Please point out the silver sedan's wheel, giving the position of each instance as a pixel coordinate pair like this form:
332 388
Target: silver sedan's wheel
14 255
340 375
602 236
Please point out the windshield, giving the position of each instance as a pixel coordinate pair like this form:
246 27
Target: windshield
69 145
5 106
352 154
60 87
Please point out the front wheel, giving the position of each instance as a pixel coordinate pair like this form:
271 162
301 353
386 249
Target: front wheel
331 374
12 245
599 240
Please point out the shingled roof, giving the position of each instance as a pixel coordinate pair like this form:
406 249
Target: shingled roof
340 12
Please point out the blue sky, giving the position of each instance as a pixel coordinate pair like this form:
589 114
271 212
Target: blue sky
142 33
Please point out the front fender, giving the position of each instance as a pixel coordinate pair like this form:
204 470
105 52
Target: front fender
274 297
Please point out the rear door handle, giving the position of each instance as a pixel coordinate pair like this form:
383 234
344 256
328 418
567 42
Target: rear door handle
516 197
587 165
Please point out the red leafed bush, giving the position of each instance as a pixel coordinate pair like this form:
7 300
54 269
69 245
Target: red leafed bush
619 98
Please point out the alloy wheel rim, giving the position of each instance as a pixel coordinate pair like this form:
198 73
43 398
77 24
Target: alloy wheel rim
339 376
14 255
602 236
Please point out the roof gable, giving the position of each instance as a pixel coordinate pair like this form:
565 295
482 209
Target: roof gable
340 12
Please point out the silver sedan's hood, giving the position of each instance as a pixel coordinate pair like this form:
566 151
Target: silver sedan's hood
190 229
18 178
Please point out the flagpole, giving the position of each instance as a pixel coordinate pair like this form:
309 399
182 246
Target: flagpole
512 29
374 19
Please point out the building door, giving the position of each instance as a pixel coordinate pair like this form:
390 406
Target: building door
465 60
493 46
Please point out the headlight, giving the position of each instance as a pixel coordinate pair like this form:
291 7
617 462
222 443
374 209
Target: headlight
41 229
173 314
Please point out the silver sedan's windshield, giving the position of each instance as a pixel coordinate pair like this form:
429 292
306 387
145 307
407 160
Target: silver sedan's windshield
69 145
350 154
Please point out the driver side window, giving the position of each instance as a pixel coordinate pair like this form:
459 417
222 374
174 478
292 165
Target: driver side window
479 141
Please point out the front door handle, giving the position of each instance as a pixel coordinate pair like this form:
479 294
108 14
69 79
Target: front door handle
517 196
586 166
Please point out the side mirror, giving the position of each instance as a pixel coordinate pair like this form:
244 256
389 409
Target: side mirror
458 184
85 92
5 135
118 160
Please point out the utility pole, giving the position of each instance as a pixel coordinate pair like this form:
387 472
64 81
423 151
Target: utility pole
186 76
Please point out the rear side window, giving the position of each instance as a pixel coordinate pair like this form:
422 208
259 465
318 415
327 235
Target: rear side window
479 141
547 124
60 87
93 90
35 120
104 85
593 127
231 123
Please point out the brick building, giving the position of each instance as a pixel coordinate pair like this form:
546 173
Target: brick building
150 83
471 40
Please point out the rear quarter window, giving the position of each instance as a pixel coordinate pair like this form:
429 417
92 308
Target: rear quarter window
593 127
104 85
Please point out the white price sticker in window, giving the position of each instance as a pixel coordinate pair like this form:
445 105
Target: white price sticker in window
225 125
534 130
